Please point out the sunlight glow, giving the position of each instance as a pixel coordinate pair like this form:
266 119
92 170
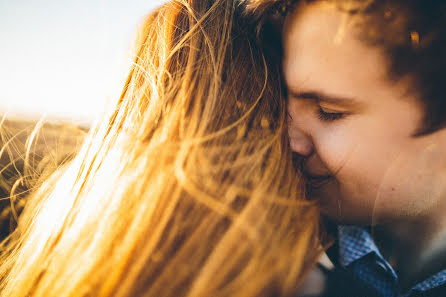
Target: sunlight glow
65 58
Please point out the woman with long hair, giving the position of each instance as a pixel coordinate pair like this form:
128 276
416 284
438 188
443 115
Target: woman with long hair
188 187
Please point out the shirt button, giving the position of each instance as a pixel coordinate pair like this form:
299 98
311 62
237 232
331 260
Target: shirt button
382 266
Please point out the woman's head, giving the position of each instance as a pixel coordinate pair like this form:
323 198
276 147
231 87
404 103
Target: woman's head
188 188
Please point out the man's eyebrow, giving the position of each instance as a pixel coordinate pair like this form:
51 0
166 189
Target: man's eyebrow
320 96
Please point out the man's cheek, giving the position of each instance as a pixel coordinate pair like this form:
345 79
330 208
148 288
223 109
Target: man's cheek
335 154
411 176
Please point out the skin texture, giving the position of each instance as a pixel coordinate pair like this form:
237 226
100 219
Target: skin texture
355 127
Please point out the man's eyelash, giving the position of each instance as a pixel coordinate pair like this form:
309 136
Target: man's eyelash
329 116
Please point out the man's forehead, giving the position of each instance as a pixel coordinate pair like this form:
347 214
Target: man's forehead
318 56
314 15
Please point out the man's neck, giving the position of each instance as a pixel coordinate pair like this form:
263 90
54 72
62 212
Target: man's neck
416 249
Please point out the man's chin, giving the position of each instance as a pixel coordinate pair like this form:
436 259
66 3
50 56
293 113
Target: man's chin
343 214
335 207
344 218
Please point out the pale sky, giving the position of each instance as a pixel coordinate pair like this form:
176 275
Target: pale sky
65 58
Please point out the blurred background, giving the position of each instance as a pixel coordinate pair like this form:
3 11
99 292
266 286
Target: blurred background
60 62
64 59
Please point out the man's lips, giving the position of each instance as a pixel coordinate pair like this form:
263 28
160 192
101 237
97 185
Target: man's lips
316 181
316 177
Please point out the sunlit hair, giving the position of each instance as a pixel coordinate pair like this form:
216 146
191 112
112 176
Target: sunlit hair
188 188
30 152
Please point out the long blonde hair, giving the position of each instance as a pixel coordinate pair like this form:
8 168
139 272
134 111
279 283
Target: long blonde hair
187 189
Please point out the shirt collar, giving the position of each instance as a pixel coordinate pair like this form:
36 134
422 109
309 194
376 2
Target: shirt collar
356 242
432 282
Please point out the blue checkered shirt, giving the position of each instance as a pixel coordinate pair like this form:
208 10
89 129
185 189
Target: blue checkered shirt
359 254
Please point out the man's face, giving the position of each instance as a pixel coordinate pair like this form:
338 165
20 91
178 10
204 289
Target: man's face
354 126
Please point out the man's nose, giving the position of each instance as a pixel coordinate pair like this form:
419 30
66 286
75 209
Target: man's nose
300 142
